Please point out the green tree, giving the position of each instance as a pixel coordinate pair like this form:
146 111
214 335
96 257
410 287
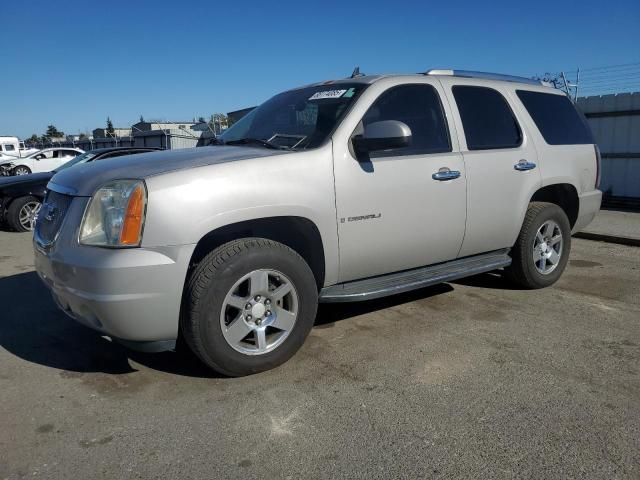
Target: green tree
201 120
53 132
141 118
110 129
33 139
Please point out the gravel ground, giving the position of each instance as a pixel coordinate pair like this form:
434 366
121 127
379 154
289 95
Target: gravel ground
471 379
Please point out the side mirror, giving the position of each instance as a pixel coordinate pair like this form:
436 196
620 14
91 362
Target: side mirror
383 135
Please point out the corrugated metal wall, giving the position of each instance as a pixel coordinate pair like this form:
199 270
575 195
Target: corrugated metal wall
615 121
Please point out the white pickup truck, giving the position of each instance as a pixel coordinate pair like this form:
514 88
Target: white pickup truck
12 147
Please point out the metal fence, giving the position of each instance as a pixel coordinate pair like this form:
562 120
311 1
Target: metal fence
168 139
615 121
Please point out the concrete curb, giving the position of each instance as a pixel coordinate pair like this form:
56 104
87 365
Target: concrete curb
603 237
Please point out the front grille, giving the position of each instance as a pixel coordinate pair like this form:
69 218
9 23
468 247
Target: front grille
50 217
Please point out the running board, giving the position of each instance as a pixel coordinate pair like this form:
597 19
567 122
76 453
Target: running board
392 283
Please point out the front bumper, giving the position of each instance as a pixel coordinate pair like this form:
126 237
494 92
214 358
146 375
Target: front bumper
133 295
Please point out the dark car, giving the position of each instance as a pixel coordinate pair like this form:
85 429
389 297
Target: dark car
21 196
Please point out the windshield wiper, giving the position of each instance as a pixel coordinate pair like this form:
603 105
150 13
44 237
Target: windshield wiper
256 141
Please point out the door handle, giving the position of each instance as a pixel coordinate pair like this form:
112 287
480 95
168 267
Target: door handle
523 165
445 174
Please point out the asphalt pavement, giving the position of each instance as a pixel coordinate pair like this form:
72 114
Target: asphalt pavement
472 379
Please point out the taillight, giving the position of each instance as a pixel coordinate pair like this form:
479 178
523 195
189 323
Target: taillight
598 166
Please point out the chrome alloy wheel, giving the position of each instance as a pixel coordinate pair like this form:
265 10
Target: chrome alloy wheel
21 171
547 247
28 215
259 312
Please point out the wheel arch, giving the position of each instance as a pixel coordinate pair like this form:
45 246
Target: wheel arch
565 195
18 165
298 233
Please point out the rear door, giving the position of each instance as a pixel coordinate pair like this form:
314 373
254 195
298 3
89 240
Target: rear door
62 156
500 160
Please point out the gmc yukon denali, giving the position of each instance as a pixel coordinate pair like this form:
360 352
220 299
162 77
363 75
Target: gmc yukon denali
339 191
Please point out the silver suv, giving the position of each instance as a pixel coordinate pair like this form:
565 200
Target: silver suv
339 191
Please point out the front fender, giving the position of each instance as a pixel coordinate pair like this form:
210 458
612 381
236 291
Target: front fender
184 206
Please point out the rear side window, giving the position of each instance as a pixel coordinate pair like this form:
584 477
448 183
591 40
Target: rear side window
557 119
419 107
487 119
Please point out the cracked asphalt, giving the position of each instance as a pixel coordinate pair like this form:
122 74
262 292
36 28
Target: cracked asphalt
471 379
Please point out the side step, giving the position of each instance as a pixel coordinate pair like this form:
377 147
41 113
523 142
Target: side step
392 283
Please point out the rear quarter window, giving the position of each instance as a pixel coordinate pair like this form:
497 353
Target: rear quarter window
557 118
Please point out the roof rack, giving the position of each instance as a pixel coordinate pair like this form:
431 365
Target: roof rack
485 75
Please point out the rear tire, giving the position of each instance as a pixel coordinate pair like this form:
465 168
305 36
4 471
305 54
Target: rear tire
22 213
541 251
248 306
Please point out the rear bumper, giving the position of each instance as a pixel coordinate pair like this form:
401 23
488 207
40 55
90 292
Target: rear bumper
589 207
131 295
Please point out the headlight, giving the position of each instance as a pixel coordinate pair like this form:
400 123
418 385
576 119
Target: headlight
115 216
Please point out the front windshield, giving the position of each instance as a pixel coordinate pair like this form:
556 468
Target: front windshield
85 157
297 119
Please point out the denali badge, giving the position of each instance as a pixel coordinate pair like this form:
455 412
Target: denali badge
371 216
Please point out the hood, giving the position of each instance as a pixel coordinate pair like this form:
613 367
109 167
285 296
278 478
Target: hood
33 178
84 180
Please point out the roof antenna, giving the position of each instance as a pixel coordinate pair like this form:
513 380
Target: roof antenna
356 73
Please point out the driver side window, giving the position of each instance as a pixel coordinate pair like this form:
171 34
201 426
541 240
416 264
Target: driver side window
418 106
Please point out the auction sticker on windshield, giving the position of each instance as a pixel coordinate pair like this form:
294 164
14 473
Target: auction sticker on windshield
327 94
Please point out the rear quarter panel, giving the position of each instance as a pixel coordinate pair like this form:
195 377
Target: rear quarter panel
571 164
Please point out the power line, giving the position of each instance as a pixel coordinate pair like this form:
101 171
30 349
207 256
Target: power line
607 67
610 75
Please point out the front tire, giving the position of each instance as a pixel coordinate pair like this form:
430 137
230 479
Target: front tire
541 252
21 170
248 306
22 213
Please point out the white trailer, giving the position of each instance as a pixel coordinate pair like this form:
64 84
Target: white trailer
12 147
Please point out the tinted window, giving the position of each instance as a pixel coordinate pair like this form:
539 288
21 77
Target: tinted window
557 119
9 148
419 107
487 119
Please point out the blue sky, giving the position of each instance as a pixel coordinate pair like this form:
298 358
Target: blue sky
72 64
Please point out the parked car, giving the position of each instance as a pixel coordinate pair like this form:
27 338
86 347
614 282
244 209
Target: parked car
340 191
44 160
21 197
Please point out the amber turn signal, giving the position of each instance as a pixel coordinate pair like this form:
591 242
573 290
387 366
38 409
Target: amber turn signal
133 219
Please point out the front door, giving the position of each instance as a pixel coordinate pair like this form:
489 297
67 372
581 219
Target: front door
45 161
392 213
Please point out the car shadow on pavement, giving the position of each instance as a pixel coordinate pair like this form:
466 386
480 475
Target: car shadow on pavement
329 313
490 280
32 328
